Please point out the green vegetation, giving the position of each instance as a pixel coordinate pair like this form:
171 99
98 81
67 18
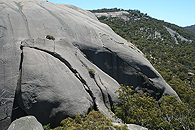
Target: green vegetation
191 28
105 10
93 121
50 37
91 72
143 110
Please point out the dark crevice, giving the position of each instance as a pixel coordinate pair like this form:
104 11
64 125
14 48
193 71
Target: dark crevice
108 95
111 103
18 88
85 85
88 90
107 99
93 76
56 55
103 96
17 111
4 118
21 61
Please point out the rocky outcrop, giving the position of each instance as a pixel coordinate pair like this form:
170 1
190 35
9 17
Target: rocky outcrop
176 36
26 123
58 85
50 79
120 14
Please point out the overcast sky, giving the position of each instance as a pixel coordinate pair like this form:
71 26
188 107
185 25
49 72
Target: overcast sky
179 12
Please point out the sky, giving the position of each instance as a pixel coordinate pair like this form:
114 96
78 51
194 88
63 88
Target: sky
179 12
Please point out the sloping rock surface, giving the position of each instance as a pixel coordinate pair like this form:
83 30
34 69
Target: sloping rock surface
55 85
50 79
176 35
26 123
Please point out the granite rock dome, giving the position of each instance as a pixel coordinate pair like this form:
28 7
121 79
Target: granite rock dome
50 79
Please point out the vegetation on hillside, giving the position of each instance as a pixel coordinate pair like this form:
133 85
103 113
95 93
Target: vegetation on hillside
143 110
105 10
191 28
175 61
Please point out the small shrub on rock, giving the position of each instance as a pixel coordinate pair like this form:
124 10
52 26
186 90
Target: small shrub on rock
92 72
50 37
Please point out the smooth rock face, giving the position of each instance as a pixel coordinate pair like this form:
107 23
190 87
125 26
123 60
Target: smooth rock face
26 123
58 85
50 79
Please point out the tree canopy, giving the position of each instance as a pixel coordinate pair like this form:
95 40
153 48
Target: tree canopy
143 110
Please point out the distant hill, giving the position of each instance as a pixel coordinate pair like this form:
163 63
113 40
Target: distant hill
191 28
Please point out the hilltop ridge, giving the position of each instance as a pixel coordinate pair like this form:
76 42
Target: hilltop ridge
191 28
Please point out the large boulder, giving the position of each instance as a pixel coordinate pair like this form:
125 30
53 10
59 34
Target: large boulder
26 123
50 79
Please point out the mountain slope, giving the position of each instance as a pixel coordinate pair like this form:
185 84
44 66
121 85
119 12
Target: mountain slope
168 47
51 79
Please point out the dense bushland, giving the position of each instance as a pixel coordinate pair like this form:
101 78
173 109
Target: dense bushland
143 110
